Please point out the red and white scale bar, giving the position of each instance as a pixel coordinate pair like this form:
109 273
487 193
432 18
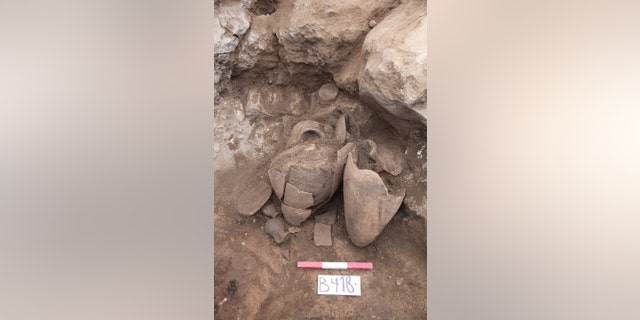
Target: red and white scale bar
335 265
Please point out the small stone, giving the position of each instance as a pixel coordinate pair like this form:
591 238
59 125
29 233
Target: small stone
275 228
322 235
286 254
372 23
294 229
239 113
328 92
328 217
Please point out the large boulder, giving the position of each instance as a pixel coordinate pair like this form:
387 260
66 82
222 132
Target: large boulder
231 21
325 33
394 79
259 47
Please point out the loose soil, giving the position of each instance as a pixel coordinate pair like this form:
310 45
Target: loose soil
257 279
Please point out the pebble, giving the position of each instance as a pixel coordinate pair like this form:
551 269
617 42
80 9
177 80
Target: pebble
372 23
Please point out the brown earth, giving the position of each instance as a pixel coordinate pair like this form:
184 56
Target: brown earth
259 281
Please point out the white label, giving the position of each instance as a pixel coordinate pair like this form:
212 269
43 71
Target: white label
339 285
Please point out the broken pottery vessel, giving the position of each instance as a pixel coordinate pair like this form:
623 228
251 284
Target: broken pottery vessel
306 175
368 204
275 228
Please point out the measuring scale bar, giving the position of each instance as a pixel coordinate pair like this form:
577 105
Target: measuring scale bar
335 265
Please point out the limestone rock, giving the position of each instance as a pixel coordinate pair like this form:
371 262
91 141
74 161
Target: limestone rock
230 22
394 79
234 18
347 76
333 33
258 47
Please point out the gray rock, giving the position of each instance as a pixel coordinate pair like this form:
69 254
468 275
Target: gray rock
230 22
331 36
224 42
347 76
234 18
258 48
394 79
322 235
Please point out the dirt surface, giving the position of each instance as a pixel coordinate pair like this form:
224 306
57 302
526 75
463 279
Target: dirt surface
258 279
